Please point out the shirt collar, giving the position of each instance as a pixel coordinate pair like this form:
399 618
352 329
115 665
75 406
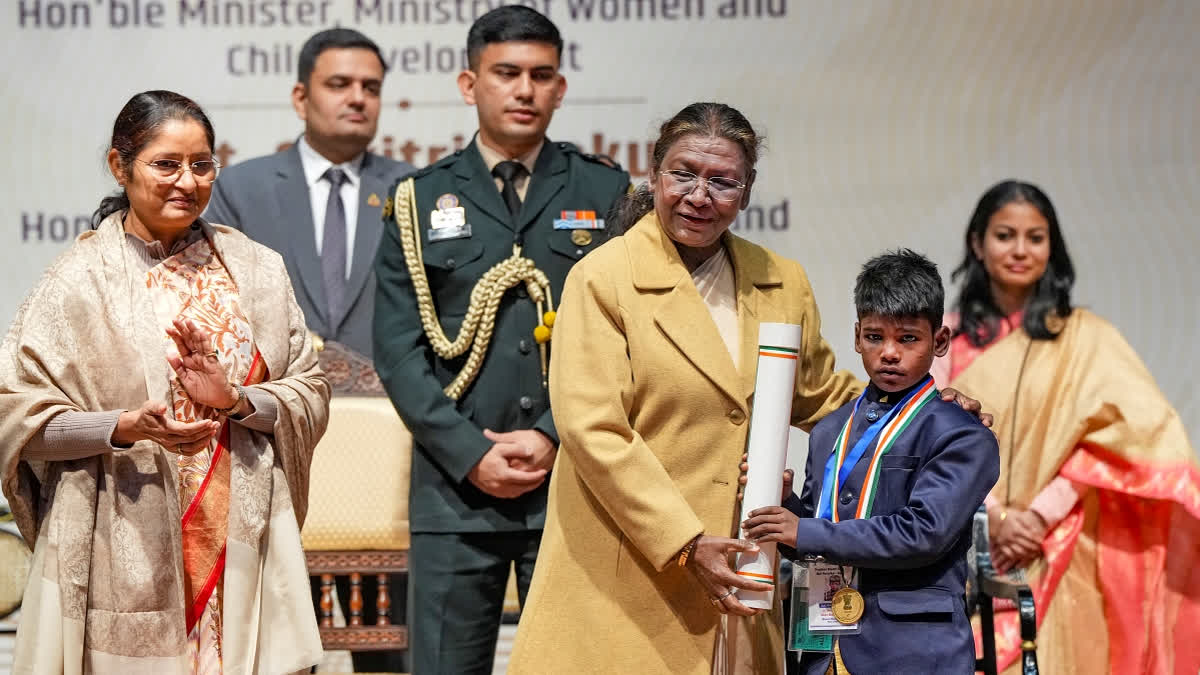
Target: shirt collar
155 248
315 164
874 394
492 157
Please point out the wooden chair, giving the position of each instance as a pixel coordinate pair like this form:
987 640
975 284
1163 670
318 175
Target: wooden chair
357 522
984 585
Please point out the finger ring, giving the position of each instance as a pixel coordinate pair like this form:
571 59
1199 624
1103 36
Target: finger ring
727 594
212 353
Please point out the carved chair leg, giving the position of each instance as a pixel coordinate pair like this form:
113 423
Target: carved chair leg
356 600
326 601
383 602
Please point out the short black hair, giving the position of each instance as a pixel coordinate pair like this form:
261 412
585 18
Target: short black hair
333 38
510 23
900 284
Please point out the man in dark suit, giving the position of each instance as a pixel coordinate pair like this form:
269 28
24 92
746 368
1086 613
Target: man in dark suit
484 437
327 237
318 204
892 483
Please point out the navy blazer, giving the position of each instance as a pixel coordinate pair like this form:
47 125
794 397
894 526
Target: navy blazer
911 553
267 198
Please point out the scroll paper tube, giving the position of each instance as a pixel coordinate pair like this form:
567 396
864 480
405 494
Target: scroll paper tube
770 420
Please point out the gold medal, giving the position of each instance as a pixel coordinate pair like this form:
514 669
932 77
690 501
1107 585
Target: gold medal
581 237
848 605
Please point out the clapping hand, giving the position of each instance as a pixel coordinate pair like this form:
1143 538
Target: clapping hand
151 422
196 364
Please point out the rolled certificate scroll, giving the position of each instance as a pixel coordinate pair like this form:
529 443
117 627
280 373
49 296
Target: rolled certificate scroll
774 389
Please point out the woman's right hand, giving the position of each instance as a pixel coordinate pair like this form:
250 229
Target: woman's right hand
152 423
709 563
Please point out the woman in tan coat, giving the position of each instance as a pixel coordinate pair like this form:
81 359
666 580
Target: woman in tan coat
651 385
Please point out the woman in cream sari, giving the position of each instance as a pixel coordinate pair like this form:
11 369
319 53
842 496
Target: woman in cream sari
159 403
1098 500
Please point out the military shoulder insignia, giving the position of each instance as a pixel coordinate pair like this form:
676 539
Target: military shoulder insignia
387 207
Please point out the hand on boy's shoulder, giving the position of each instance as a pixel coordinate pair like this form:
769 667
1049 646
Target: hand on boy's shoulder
973 407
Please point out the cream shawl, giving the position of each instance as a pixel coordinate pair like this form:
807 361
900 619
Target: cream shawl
106 590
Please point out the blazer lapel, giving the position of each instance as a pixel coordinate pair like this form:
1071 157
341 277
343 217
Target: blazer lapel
295 215
549 177
753 270
476 185
367 233
683 316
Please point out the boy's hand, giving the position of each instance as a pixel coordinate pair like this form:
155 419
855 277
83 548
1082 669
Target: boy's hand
771 523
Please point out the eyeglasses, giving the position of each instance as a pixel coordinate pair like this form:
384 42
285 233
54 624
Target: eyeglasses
720 189
168 171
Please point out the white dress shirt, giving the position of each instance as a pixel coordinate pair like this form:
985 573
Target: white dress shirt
315 167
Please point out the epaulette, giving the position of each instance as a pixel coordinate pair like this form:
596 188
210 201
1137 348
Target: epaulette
604 160
442 163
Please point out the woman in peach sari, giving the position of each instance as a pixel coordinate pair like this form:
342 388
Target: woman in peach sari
159 403
1098 502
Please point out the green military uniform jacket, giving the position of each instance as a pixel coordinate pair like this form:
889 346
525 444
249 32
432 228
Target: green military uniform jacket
508 393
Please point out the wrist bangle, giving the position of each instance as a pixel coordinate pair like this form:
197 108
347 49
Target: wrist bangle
687 551
241 396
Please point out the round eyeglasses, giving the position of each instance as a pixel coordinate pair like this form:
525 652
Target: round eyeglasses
719 188
170 170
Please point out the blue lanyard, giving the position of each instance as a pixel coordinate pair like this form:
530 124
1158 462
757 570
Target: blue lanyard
828 487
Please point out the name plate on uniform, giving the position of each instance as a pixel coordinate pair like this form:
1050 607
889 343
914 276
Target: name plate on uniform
448 223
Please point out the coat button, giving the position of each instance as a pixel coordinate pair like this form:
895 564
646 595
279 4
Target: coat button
524 346
736 416
450 263
579 252
847 498
526 403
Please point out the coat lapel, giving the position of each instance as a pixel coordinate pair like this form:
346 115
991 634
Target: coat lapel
753 271
549 177
682 316
367 233
295 215
476 185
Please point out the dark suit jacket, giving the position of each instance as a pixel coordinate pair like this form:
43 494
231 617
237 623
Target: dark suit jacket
911 552
267 198
508 393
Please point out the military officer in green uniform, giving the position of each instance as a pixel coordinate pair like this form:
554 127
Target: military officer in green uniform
476 250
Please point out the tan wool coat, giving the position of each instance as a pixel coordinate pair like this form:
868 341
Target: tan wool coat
653 419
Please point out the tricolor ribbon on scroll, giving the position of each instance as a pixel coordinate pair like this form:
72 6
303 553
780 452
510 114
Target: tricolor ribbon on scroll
770 420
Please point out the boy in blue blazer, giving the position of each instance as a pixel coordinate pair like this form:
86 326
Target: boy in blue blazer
892 483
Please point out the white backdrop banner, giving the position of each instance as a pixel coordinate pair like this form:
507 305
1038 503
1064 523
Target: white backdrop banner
885 121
